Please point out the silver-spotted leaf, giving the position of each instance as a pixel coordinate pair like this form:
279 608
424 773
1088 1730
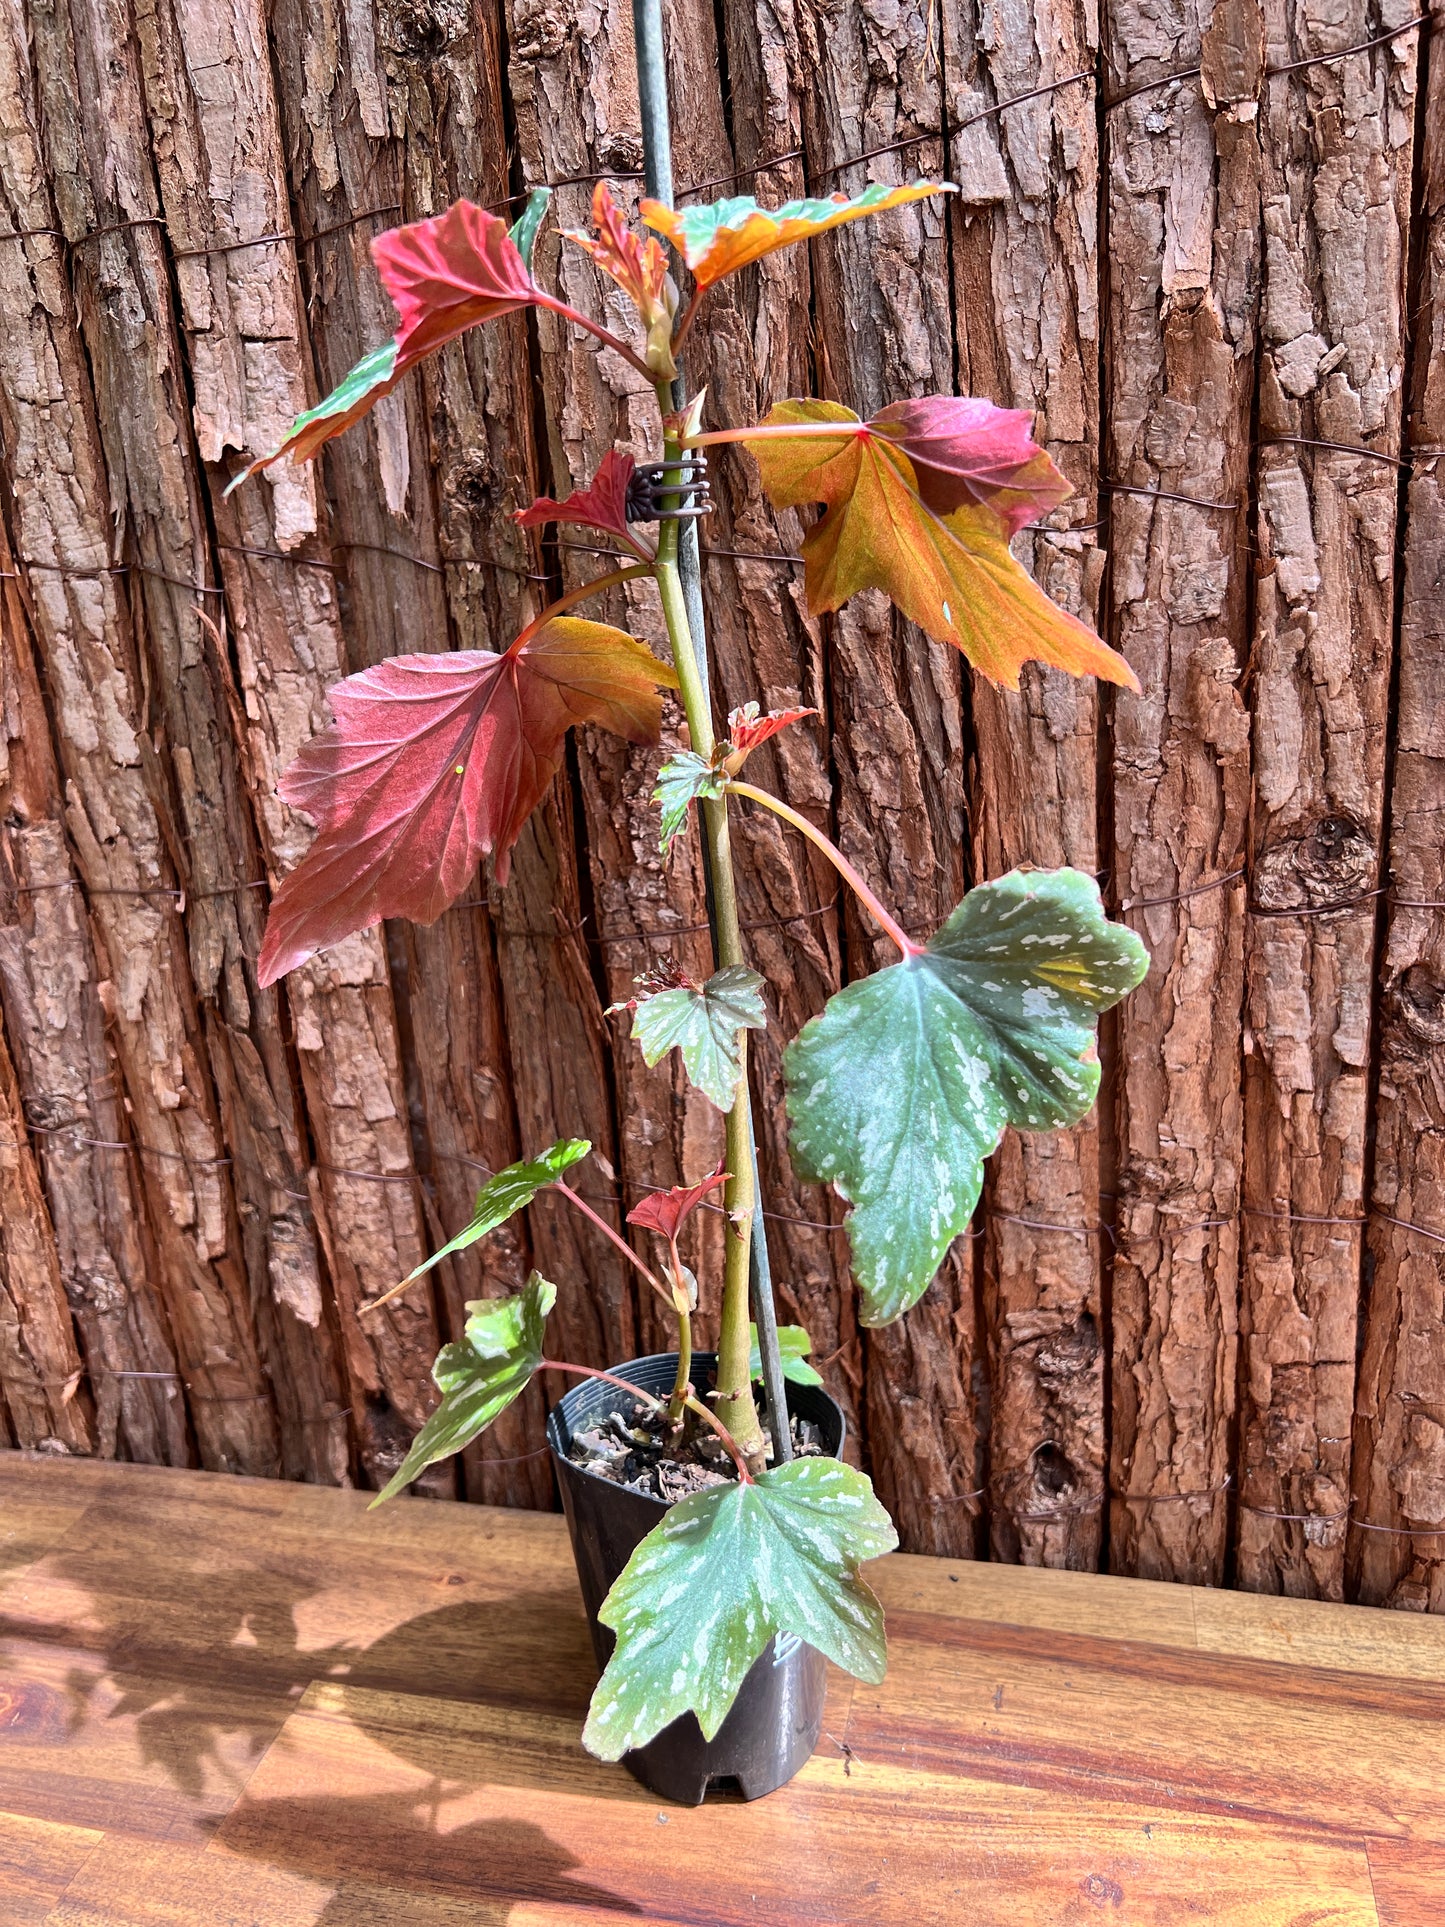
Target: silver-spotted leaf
703 1024
901 1088
680 783
725 1571
480 1375
794 1346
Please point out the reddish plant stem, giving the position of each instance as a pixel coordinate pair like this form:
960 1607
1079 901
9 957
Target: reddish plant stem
604 335
574 596
621 1243
693 1403
763 431
836 857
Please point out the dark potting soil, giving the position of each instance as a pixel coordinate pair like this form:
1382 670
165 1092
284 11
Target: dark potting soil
634 1449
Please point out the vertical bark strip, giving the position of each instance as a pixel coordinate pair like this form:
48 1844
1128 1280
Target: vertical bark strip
120 821
1027 317
1183 231
41 1373
1399 1430
96 133
69 1083
1336 141
215 136
882 317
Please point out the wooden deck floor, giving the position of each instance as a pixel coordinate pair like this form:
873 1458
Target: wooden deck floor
228 1703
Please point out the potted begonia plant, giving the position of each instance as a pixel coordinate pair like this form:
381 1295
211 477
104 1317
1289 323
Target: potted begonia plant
719 1542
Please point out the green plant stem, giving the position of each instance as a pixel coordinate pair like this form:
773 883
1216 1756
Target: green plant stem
836 857
734 1377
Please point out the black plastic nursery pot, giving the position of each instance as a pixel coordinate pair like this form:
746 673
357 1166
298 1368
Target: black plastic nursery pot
778 1714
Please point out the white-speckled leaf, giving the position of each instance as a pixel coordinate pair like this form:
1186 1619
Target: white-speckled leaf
703 1024
480 1375
726 1571
901 1088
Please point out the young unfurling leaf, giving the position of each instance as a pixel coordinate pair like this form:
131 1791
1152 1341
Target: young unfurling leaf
726 235
502 1196
479 1376
747 729
436 761
666 1212
445 275
725 1572
639 267
601 505
901 1088
703 1023
921 502
794 1346
681 782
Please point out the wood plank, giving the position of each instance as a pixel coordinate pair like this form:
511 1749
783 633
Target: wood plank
481 1801
38 1860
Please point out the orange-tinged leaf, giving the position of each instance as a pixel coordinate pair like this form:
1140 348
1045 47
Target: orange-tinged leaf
434 762
639 267
726 235
950 572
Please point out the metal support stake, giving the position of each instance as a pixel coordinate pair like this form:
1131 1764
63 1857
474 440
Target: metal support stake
657 173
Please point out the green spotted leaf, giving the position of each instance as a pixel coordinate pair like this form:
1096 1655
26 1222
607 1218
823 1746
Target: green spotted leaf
901 1088
505 1194
479 1376
726 1571
680 783
523 231
703 1024
794 1346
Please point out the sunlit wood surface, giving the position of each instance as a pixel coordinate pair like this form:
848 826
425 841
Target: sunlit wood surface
227 1701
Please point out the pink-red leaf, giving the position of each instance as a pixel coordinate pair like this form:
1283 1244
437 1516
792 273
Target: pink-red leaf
448 273
639 267
950 571
666 1212
434 762
445 275
746 728
601 505
967 453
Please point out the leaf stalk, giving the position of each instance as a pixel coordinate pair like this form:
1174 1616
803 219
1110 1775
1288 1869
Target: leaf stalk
836 857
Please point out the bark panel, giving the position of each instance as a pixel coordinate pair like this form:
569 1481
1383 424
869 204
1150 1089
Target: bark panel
69 1082
1025 263
1183 240
882 315
126 839
1336 142
1399 1429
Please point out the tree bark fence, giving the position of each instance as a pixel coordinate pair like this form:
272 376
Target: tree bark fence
1202 1336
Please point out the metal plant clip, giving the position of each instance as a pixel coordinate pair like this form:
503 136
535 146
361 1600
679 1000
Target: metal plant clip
650 491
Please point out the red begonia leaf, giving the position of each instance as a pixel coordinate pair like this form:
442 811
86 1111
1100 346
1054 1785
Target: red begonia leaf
747 728
434 762
601 505
445 275
667 1212
949 571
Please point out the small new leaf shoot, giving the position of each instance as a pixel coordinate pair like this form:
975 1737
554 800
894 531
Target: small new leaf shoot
681 782
479 1376
703 1023
794 1345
